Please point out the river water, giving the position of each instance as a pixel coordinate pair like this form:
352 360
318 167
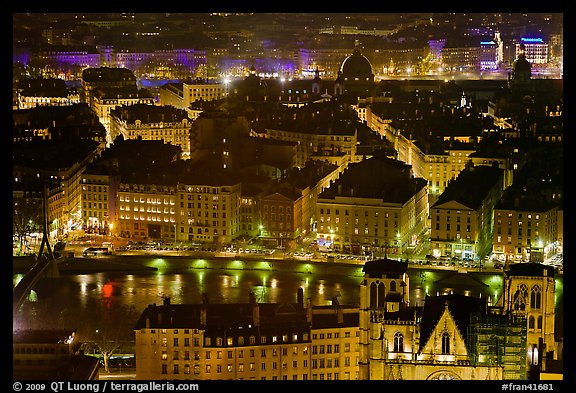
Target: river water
106 305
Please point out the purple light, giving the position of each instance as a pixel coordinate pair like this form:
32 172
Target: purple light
531 39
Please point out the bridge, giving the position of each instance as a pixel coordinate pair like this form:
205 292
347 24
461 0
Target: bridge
46 266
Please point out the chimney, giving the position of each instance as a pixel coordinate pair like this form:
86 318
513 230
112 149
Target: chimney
256 314
309 310
203 314
166 300
300 298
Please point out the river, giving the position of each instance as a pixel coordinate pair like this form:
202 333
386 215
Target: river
109 302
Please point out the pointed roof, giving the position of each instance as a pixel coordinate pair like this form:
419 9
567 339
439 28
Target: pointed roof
460 308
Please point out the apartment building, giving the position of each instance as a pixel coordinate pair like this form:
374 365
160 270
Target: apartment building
375 207
240 341
525 229
146 207
462 218
152 122
94 77
45 92
208 208
182 95
247 341
104 100
335 342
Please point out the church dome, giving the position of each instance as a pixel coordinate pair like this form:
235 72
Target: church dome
356 65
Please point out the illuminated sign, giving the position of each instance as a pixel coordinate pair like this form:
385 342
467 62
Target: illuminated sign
532 40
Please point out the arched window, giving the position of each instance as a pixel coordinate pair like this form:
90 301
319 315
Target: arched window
535 297
373 295
445 343
393 286
398 342
533 354
520 298
540 322
381 295
531 322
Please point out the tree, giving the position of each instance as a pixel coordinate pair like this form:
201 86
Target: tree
27 218
109 333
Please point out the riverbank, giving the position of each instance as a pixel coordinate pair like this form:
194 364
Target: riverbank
21 265
133 262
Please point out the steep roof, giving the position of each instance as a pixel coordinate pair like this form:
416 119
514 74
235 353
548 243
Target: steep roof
459 306
471 186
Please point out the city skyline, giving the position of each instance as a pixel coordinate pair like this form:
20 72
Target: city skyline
329 140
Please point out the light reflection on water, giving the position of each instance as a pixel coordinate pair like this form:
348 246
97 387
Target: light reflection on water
86 300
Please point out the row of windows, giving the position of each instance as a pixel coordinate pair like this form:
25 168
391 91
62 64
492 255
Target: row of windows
448 227
529 215
136 199
146 218
149 209
94 197
219 341
89 205
215 198
199 206
356 231
332 363
356 222
528 232
520 297
280 209
93 187
346 212
457 218
321 349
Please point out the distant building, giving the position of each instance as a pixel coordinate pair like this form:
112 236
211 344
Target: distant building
281 213
45 92
534 48
335 342
240 341
94 77
356 75
152 122
525 229
103 100
462 217
208 205
182 95
376 206
247 341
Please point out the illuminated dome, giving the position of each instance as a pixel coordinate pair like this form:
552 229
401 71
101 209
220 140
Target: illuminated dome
356 65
